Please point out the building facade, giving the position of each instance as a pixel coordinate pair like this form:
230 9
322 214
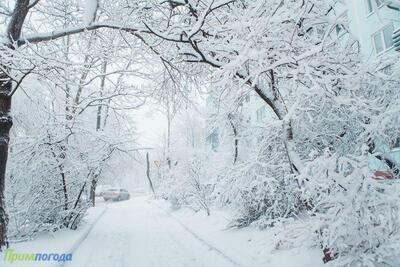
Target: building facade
373 22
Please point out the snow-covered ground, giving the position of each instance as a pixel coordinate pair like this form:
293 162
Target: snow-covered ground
144 232
247 246
62 241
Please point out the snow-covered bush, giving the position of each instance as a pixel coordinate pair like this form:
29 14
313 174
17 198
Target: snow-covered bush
261 187
46 183
187 183
356 217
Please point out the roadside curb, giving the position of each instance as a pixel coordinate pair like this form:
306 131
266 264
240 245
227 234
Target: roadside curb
85 234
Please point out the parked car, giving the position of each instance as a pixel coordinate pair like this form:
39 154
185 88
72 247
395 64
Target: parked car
384 175
101 188
116 194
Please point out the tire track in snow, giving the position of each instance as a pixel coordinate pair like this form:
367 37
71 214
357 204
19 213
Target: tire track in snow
197 237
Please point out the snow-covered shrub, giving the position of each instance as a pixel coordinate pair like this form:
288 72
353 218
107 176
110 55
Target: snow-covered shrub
187 182
261 187
46 184
356 217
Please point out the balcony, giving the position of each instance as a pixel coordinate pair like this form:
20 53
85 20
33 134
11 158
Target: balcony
396 40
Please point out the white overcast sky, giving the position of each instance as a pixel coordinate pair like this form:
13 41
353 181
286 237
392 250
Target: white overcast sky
151 125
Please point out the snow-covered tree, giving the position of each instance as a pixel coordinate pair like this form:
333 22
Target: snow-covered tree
324 99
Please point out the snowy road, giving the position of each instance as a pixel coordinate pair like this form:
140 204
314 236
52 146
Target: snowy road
136 233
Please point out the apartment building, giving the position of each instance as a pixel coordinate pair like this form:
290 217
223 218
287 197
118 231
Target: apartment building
373 22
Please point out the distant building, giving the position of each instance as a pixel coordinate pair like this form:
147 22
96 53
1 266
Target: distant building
374 23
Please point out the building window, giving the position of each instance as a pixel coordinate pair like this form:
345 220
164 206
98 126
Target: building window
213 140
372 5
261 114
383 38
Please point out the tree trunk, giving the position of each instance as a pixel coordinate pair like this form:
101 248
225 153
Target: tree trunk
278 107
64 186
293 158
168 133
13 32
93 185
148 172
100 106
236 140
59 159
92 193
5 126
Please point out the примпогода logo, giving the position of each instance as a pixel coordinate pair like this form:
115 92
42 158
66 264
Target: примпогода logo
11 256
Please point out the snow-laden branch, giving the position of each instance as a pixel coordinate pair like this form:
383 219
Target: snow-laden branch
44 37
